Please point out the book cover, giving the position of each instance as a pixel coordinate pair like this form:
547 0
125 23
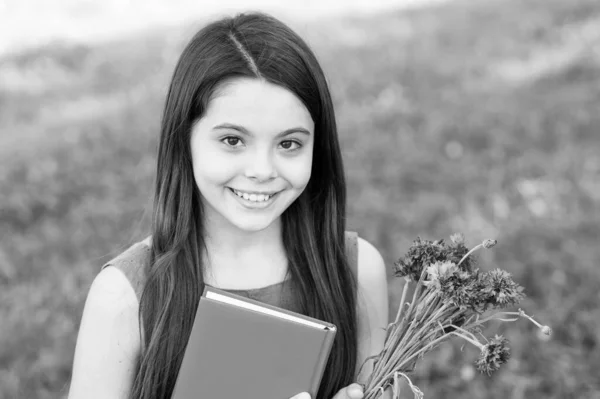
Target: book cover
242 348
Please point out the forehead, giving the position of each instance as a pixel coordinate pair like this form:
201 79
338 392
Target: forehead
258 105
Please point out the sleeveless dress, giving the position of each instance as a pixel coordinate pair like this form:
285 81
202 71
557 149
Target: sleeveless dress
134 261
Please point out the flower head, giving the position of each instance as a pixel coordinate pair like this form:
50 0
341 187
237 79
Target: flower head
494 354
424 253
420 255
439 270
501 290
459 287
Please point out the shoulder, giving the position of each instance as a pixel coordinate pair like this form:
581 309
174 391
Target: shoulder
133 264
111 288
110 300
371 266
108 341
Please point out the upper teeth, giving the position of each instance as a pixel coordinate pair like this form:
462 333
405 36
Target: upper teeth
253 197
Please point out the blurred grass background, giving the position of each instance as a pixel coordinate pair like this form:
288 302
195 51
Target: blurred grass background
473 116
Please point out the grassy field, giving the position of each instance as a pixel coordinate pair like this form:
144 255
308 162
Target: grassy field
476 116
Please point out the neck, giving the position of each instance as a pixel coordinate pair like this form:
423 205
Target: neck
236 243
230 250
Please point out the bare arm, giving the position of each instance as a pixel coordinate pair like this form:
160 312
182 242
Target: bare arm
108 341
372 307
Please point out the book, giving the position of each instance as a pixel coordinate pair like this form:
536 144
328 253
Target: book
243 348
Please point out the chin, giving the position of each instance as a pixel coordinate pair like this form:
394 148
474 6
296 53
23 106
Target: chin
253 227
251 223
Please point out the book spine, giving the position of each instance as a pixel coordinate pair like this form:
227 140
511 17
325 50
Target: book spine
320 367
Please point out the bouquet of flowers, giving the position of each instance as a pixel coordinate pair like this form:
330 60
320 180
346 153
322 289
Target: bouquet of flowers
451 298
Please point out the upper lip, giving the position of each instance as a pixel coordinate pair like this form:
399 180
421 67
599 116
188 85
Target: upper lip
256 192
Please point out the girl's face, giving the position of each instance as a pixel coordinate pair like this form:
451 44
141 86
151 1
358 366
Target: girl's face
252 153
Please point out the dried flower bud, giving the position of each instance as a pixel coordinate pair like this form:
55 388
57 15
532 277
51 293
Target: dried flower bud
489 243
457 238
546 330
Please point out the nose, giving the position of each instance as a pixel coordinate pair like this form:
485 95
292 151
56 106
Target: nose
261 166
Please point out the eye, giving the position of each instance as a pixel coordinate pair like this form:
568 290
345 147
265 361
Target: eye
289 145
231 141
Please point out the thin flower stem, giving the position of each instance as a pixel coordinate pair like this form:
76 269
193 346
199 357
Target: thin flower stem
421 337
484 244
430 345
498 315
399 366
415 320
416 337
394 335
474 342
430 302
425 302
426 347
431 320
377 369
445 320
475 248
402 299
378 390
381 361
429 315
384 380
385 360
405 355
523 314
392 347
402 334
416 293
390 327
402 354
439 315
468 333
394 361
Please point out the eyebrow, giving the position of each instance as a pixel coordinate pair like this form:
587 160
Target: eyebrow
245 131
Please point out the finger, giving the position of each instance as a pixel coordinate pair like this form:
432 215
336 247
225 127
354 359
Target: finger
354 391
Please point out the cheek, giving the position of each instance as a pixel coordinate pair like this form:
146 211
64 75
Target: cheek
298 172
209 166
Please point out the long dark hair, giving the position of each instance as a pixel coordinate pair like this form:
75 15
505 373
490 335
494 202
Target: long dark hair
257 46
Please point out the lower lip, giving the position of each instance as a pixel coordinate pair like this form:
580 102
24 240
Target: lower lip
252 204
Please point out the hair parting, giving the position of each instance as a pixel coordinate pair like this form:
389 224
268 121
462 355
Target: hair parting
251 63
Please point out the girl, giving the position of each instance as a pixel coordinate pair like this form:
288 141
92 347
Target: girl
250 197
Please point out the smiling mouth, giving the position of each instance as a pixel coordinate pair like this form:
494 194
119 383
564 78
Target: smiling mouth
257 198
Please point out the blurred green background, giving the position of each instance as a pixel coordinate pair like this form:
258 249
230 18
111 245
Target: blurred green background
475 116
